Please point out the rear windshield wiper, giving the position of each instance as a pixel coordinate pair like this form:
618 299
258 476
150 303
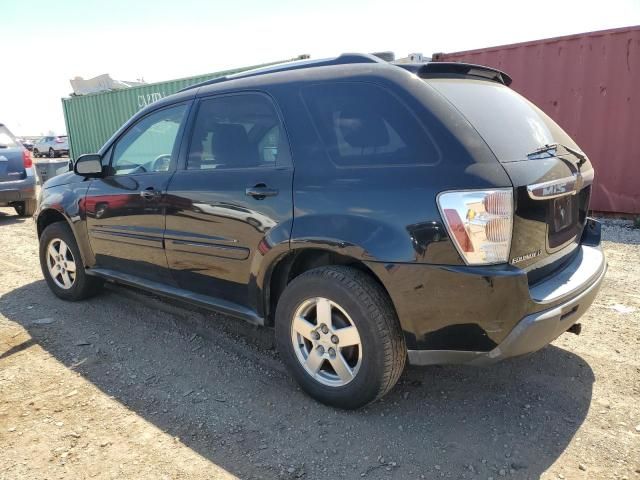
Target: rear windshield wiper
582 158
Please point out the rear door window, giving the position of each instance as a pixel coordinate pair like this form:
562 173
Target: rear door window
237 131
362 124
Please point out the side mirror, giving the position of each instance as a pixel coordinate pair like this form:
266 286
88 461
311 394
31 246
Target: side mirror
89 165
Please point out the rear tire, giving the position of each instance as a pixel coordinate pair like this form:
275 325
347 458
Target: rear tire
52 153
374 354
35 153
26 208
62 265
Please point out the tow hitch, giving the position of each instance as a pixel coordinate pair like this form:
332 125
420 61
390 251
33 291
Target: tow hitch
575 328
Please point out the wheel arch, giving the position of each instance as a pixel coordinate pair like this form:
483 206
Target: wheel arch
48 216
51 215
299 260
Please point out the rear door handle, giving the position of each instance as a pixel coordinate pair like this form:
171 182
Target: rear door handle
149 193
261 191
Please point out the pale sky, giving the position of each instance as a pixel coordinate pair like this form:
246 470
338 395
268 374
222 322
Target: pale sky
45 43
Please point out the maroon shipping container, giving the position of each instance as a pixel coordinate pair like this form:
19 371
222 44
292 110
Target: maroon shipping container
590 85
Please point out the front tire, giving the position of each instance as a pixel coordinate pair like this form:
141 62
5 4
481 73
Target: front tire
339 336
35 153
62 265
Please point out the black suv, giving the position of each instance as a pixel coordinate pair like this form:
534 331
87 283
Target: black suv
370 212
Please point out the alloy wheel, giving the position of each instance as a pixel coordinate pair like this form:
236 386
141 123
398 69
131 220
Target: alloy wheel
61 264
326 342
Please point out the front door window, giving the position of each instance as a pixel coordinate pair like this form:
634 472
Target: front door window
149 146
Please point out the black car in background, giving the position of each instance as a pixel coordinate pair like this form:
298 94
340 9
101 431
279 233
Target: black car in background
370 212
17 175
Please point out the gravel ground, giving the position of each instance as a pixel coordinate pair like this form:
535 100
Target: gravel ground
129 386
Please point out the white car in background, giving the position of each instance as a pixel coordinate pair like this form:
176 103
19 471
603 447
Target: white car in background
51 146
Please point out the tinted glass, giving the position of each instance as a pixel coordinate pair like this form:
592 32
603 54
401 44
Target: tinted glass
511 125
6 138
364 124
236 131
149 146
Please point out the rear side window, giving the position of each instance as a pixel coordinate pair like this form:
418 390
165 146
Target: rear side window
6 138
237 131
362 124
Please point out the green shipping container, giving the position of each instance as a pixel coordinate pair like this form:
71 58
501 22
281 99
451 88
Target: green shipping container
92 119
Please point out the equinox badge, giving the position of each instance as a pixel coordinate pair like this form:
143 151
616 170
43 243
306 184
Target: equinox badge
526 256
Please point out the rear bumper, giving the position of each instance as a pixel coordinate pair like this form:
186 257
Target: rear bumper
17 190
585 274
476 314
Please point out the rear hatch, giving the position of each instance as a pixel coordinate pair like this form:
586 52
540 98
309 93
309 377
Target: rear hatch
11 157
62 143
551 176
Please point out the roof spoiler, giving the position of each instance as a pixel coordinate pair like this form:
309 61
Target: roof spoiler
447 69
344 59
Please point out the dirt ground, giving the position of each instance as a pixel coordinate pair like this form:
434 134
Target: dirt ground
129 386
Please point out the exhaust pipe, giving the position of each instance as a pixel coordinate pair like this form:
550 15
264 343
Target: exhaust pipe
575 328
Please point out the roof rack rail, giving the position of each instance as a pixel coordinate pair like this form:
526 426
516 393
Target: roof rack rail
344 59
443 69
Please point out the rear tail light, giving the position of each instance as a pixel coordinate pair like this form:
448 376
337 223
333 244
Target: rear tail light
457 229
480 223
26 158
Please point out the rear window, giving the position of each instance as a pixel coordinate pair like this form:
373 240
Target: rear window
511 125
6 138
362 124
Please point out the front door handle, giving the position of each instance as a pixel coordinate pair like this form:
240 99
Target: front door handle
149 193
261 191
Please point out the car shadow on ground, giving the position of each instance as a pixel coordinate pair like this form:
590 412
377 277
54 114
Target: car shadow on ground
231 401
11 219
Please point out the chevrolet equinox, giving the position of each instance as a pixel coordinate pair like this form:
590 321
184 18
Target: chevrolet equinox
372 213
